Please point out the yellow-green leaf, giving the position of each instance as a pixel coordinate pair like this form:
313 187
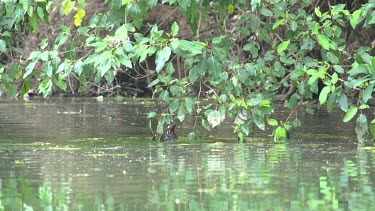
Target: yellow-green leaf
323 41
350 114
283 46
79 16
324 94
68 6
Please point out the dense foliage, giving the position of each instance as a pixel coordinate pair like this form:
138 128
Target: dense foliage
257 52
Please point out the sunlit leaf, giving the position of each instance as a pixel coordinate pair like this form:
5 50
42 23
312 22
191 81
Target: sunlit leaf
29 69
175 29
161 57
81 13
323 41
68 6
214 118
350 114
355 17
78 67
324 94
283 46
280 133
335 78
272 122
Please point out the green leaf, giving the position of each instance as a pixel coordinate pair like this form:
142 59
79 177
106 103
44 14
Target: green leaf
317 12
245 129
372 127
170 69
176 90
83 89
361 128
194 74
332 58
173 105
164 95
335 78
339 69
12 88
206 125
296 74
189 104
214 118
153 83
188 48
280 133
283 46
109 76
175 29
29 69
3 46
161 57
151 115
343 102
315 29
230 8
125 2
350 114
272 122
181 114
278 23
78 67
68 6
324 94
367 94
34 22
296 122
217 40
61 84
15 71
79 16
104 67
355 17
323 41
331 102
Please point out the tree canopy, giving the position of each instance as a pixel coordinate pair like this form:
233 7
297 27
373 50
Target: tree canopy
241 55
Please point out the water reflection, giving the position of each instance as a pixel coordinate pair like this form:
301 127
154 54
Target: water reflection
99 168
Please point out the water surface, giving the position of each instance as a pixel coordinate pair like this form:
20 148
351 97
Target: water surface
82 155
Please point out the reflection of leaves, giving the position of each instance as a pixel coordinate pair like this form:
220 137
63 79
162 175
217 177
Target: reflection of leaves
372 127
361 127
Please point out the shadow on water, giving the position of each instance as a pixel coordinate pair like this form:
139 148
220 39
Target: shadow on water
75 155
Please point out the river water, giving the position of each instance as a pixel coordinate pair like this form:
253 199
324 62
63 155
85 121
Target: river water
83 154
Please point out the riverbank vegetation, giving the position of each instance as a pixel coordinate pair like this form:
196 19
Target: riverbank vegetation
241 55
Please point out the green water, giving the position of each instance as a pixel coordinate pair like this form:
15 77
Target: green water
94 160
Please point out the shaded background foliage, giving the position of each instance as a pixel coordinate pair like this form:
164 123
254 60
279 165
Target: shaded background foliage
241 55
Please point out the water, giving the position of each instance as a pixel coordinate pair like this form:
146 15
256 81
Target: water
89 155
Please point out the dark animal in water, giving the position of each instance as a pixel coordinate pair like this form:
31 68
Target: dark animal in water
170 135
